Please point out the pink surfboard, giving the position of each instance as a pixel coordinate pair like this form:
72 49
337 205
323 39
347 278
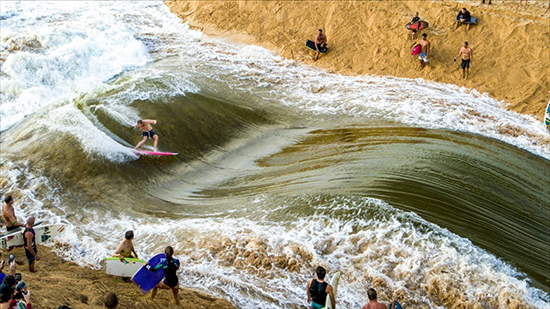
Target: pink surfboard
155 153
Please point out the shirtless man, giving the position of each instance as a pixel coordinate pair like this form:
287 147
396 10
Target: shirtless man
147 132
424 50
9 214
126 248
320 42
467 56
373 303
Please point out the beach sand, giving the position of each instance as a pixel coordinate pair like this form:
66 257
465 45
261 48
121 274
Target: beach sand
511 59
59 282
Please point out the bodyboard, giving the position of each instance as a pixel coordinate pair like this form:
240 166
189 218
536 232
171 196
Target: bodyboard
43 232
146 279
113 266
311 45
334 283
547 114
416 49
417 25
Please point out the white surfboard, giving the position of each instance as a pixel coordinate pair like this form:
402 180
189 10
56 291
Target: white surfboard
43 232
113 266
334 283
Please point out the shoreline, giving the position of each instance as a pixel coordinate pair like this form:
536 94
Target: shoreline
84 288
509 63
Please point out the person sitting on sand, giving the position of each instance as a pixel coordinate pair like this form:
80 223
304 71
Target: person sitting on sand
29 242
170 265
126 247
373 302
424 50
318 289
467 57
147 132
111 301
9 215
462 17
320 43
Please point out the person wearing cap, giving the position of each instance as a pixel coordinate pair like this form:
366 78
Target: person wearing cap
8 212
29 242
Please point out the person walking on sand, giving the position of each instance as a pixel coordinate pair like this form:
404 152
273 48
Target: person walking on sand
373 302
29 242
424 51
467 54
462 17
318 289
147 132
9 214
415 19
170 265
320 43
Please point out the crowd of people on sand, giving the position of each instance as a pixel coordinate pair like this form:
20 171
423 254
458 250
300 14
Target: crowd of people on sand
466 51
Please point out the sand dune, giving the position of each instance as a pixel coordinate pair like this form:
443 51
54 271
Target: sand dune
511 54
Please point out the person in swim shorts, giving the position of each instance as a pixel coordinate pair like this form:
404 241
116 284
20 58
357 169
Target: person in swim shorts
424 50
147 132
8 212
320 43
467 54
29 242
318 289
373 302
170 282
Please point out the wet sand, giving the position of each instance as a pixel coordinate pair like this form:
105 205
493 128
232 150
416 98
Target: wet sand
59 282
511 54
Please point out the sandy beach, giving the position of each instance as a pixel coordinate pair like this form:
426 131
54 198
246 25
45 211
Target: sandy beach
59 282
369 37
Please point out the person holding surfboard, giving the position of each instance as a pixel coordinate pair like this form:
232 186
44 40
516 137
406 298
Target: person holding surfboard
29 242
170 265
415 19
318 289
147 132
126 247
9 214
320 43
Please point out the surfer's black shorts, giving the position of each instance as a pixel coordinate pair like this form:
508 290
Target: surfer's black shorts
11 228
149 134
465 64
171 283
29 255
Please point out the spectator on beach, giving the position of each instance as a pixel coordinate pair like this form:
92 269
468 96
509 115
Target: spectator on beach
373 302
462 17
320 43
415 19
467 54
29 242
318 289
9 215
111 301
170 266
20 290
424 51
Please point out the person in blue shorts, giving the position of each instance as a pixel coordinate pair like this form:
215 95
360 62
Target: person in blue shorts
147 132
318 289
424 51
170 282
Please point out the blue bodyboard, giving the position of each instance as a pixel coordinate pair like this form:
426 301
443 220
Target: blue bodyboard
147 279
397 305
311 45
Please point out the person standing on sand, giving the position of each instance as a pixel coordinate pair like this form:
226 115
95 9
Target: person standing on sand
147 132
170 265
467 57
373 303
424 51
9 214
320 43
415 19
318 289
29 242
